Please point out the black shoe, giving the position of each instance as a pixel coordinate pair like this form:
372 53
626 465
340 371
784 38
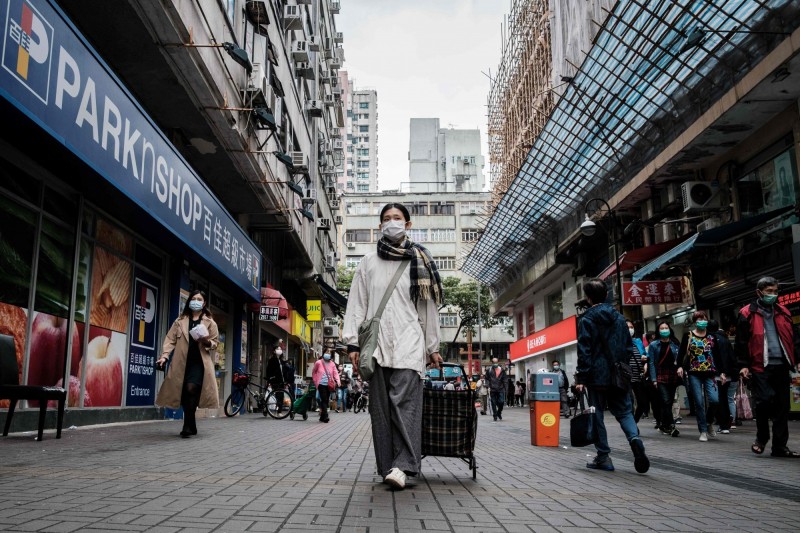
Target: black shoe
483 412
601 463
640 461
185 434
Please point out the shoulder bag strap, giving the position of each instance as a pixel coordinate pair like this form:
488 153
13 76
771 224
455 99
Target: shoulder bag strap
390 288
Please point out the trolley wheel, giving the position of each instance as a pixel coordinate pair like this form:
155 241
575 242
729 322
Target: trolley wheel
279 404
291 416
305 416
474 469
234 402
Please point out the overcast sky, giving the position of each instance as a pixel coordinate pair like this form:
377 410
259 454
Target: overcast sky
425 58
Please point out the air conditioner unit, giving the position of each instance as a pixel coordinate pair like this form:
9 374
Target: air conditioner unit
330 331
291 18
325 76
670 194
350 245
310 196
337 91
330 262
666 232
324 223
327 48
314 108
700 195
336 133
335 205
300 51
330 321
337 220
329 100
335 63
304 2
709 223
338 37
313 43
299 161
335 6
338 144
304 70
648 209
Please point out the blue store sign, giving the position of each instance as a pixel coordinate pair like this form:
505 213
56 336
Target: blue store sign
143 350
52 75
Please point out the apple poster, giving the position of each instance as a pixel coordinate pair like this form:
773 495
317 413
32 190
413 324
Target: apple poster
48 353
103 368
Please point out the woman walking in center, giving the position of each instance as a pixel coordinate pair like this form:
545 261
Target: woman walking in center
698 357
662 362
190 381
408 338
326 380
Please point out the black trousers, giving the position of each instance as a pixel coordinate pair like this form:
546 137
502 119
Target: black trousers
667 395
639 393
324 400
771 397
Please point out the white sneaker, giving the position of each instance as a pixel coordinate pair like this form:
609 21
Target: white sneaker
711 432
704 437
396 478
725 431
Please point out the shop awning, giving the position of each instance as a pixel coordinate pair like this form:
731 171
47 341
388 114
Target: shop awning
559 335
274 298
333 296
640 256
713 237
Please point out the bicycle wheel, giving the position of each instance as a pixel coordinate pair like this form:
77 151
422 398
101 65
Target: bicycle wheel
234 402
279 403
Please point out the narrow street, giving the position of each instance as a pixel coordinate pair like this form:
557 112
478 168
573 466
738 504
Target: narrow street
252 473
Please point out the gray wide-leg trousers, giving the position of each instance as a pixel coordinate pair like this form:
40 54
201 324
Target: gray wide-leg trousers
395 406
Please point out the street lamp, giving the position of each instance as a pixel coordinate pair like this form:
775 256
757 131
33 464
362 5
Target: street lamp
589 228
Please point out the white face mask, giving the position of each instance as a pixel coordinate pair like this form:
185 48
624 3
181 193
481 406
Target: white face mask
630 330
394 230
278 352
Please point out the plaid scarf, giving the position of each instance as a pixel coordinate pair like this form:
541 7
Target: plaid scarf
425 280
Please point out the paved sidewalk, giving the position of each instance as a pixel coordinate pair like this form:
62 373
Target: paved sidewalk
252 473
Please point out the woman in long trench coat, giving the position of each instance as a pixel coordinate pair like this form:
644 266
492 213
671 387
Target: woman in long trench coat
190 380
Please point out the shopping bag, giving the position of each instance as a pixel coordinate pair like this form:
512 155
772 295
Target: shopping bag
582 431
742 400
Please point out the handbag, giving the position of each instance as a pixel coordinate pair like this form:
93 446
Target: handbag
582 426
620 371
369 329
331 384
742 401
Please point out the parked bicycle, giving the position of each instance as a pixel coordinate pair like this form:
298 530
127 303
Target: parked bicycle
361 402
279 403
243 388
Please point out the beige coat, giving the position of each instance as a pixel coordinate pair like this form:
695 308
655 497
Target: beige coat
169 395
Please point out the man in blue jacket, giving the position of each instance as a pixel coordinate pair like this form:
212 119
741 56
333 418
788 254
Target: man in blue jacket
603 339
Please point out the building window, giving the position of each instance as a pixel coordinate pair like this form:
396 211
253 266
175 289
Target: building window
363 129
555 308
362 187
362 176
363 164
443 208
769 186
469 235
363 152
352 261
448 320
531 320
445 263
358 235
471 208
443 235
357 208
418 235
520 325
472 160
363 105
418 209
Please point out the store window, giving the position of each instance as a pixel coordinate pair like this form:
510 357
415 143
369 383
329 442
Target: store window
769 186
555 308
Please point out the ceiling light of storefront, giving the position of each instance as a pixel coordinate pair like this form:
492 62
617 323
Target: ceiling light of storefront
643 82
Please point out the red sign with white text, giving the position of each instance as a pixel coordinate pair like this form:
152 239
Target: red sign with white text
558 335
652 292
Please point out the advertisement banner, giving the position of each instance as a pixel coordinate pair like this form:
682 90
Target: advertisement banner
652 292
51 74
300 327
143 350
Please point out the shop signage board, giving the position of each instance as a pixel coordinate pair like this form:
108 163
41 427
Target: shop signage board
267 313
143 349
558 335
51 74
313 310
652 292
300 328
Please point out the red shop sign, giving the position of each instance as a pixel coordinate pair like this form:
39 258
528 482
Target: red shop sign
558 335
652 292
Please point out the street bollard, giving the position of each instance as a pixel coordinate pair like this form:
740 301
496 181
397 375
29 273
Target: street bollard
545 406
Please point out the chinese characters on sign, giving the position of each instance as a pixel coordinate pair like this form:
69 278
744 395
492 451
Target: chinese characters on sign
652 292
268 313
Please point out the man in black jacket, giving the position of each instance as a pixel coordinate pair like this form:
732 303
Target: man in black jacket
496 381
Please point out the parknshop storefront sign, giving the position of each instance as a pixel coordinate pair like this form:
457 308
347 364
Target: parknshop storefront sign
559 335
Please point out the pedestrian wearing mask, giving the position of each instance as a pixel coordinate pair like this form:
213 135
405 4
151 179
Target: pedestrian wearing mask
563 388
343 392
637 362
326 379
767 349
662 363
698 357
496 381
408 339
728 379
274 370
190 382
483 394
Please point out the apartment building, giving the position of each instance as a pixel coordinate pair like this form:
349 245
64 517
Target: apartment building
443 159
